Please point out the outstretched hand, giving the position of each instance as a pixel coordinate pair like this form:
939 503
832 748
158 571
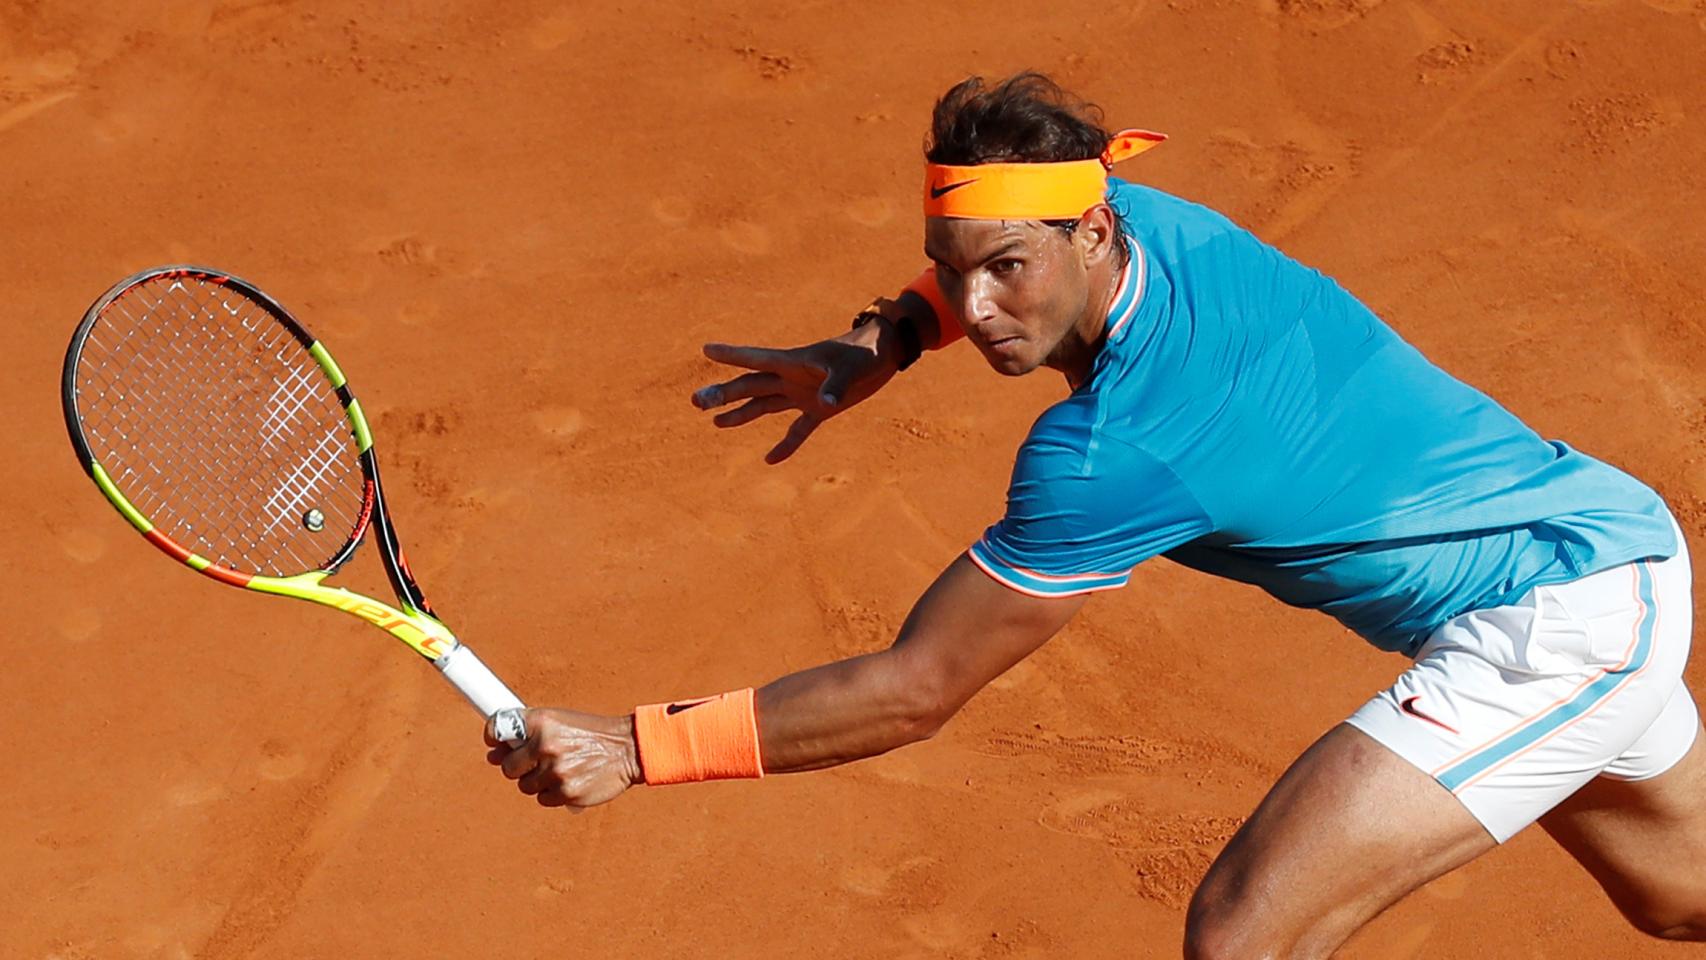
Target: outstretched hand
818 380
569 759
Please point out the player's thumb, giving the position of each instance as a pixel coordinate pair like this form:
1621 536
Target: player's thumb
835 386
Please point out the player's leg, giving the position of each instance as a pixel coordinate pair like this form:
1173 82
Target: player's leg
1506 713
1640 828
1644 839
1347 831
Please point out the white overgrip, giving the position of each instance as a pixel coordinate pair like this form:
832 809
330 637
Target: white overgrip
477 682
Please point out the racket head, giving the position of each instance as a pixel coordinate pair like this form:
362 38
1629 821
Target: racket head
218 425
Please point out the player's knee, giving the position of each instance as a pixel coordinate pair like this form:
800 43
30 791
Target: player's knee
1219 926
1207 940
1693 931
1672 924
1218 935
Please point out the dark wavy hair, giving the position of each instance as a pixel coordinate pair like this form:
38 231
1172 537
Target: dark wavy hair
1026 118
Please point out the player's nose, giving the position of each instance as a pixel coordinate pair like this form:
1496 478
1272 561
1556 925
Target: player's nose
976 304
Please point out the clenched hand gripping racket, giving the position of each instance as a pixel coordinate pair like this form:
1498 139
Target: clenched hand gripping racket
226 434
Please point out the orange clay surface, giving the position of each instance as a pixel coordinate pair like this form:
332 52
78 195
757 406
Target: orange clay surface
515 229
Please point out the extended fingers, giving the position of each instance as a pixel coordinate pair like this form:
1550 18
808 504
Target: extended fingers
743 387
754 358
752 410
802 428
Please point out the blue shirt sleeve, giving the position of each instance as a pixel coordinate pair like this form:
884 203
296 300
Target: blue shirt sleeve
1084 509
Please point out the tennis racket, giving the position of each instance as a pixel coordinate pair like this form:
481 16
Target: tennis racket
227 435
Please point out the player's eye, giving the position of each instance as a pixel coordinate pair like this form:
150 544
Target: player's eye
1006 266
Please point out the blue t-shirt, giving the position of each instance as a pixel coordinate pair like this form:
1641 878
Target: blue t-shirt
1249 418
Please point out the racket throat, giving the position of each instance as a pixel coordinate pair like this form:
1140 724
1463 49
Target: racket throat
421 631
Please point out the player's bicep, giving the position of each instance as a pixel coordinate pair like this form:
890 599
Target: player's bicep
968 629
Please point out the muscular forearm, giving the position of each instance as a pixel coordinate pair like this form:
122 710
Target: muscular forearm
964 632
844 711
961 634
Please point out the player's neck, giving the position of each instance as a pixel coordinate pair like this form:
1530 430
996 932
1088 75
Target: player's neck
1076 355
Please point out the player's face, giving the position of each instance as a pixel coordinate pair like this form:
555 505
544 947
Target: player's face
1019 287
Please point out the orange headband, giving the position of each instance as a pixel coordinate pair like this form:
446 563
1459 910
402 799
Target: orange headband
1028 191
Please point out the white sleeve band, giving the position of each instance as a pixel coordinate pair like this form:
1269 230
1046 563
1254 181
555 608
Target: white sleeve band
477 682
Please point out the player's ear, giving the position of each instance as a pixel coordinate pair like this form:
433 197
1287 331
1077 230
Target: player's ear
1095 234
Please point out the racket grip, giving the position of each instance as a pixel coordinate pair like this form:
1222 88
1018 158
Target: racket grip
477 682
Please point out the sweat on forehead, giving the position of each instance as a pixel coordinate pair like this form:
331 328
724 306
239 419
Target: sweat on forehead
947 240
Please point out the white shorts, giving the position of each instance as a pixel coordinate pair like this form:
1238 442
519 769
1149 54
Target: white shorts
1514 708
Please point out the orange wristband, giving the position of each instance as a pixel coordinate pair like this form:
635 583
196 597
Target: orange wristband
712 738
947 325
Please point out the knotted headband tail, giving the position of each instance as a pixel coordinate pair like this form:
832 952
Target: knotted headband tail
1028 191
1129 143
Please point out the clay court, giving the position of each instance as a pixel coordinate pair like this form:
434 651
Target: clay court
516 228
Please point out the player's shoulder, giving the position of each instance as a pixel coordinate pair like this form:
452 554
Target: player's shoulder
1226 263
1142 205
1186 235
1066 427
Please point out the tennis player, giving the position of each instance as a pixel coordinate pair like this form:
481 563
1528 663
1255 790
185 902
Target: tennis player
1240 414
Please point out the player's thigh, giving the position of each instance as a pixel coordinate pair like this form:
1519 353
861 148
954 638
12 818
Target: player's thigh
1506 712
1348 830
1644 840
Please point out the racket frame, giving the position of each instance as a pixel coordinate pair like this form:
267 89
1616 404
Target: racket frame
411 620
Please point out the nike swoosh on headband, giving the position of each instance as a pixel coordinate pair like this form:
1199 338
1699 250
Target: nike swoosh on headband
936 193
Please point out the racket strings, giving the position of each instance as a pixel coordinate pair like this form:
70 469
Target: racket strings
220 427
286 405
219 453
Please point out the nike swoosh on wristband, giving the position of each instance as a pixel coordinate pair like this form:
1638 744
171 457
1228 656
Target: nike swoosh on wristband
937 193
676 708
1408 705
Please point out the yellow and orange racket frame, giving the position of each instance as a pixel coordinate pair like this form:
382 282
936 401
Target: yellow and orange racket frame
411 620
